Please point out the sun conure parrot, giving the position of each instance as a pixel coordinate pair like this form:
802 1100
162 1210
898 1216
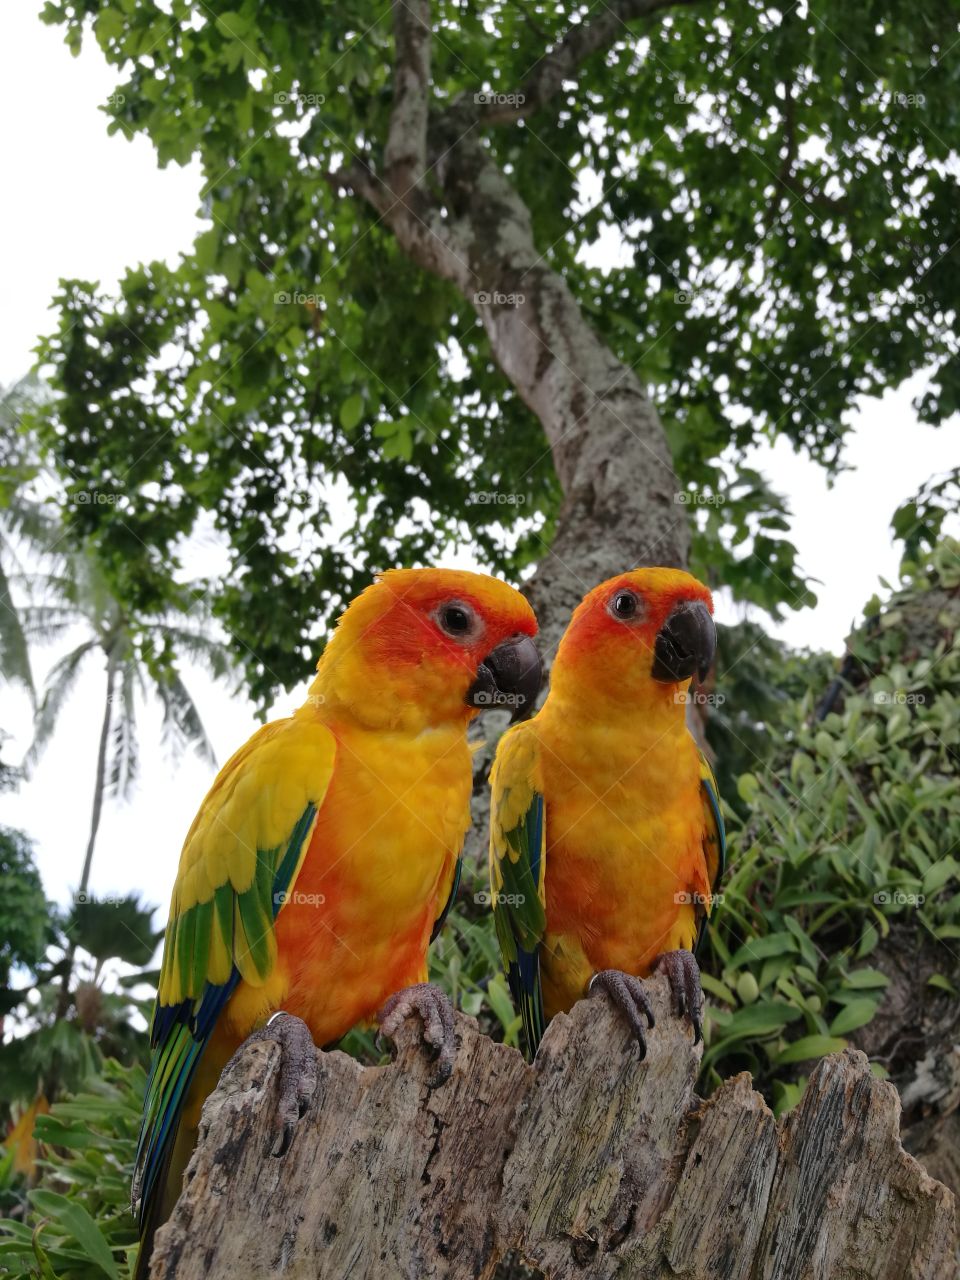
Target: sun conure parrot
606 834
326 855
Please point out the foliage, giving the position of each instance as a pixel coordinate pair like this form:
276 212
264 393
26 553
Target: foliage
757 676
24 518
78 1224
47 1051
852 829
25 930
776 192
919 522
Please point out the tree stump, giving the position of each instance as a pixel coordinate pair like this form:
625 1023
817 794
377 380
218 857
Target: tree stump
590 1163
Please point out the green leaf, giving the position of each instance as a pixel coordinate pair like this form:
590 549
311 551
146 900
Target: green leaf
109 25
939 873
351 412
75 1219
856 1014
761 1019
717 988
771 944
866 978
500 1001
233 25
810 1047
942 983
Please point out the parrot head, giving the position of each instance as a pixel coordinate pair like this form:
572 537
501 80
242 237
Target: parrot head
641 632
423 647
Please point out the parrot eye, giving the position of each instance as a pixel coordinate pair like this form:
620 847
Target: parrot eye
456 619
625 605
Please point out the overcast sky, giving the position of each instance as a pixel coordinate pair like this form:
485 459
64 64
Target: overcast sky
82 204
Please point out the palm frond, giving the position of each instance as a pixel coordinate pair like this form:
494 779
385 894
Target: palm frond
124 763
182 726
46 622
206 651
14 652
57 688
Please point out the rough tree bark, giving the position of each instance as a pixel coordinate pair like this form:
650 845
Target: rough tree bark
588 1164
456 214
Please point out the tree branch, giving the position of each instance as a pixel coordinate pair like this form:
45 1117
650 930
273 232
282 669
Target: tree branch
406 148
564 60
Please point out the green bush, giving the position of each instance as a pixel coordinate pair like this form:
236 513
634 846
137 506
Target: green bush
854 825
77 1225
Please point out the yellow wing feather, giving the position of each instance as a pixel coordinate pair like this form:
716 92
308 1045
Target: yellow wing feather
242 828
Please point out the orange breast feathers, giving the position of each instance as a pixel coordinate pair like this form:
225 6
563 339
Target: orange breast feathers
625 860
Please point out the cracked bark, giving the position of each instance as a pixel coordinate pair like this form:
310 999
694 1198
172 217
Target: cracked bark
587 1164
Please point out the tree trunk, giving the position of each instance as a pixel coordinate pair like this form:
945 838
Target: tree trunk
456 214
588 1164
63 1000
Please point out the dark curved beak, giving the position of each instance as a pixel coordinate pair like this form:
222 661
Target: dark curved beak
685 644
508 677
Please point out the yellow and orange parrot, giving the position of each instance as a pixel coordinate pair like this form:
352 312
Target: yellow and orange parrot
606 834
326 855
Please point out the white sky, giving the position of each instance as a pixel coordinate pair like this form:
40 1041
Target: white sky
81 204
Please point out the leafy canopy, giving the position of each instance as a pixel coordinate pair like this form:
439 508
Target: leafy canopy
776 186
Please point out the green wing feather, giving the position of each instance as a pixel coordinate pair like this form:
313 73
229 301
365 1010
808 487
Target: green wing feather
239 862
517 871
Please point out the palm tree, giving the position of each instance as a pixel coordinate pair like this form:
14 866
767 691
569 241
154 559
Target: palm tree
25 521
66 591
140 660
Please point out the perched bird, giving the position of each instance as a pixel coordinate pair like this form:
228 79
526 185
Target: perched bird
606 834
326 855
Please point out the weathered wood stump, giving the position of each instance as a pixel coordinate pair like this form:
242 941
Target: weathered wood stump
588 1164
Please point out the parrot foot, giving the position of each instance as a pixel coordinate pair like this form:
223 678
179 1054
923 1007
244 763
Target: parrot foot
627 994
435 1011
298 1073
683 974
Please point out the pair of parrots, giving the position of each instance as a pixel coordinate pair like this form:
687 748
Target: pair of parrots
326 855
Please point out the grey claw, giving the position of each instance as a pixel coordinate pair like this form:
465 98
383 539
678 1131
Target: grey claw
298 1074
683 974
628 995
435 1011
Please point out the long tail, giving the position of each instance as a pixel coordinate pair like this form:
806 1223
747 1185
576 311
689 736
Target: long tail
162 1205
